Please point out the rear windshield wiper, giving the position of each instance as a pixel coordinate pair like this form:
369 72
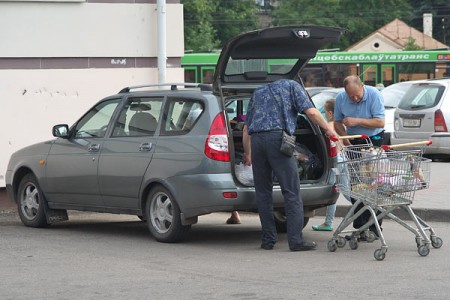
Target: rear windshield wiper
418 106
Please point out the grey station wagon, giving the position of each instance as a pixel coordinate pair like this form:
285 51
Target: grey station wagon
171 155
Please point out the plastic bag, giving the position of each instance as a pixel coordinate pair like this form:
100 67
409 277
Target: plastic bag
244 174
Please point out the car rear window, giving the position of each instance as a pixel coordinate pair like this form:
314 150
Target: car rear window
422 96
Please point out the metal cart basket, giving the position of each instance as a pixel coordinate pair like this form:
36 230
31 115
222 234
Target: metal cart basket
383 180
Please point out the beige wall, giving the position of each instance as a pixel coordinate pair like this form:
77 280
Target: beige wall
86 30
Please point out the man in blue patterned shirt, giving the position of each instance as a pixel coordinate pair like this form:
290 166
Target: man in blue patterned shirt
273 108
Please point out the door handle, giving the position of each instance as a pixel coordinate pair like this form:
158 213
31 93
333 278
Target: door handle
145 147
94 148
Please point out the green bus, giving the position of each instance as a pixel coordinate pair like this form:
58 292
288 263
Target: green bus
330 68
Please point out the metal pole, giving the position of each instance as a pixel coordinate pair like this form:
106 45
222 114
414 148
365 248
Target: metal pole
162 52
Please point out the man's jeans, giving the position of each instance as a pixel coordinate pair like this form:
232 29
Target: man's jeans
267 162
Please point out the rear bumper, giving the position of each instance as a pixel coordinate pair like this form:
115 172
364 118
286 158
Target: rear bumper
204 194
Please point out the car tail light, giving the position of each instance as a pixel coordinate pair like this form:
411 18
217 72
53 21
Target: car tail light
332 148
439 122
216 145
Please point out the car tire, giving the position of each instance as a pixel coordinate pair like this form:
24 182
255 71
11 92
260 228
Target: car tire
31 202
163 216
280 221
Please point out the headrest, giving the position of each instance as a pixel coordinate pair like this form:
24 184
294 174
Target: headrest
140 107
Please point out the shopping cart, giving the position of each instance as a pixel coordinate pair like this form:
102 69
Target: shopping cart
383 180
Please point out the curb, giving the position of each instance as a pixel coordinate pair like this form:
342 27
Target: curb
428 215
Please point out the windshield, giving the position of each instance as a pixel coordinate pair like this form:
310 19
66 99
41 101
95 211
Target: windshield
421 96
270 66
393 94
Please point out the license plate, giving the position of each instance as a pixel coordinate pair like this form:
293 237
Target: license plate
411 122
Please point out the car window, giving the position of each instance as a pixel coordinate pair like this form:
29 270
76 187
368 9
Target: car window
181 115
236 108
138 117
421 96
393 94
95 122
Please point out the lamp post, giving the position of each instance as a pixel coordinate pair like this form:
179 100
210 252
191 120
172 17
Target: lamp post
162 51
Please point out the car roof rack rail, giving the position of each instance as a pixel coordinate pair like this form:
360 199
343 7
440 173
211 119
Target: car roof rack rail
173 86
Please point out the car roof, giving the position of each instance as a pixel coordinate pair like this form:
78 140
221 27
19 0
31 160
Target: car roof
244 59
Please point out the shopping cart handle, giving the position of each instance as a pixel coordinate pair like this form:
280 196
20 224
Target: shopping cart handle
422 143
357 136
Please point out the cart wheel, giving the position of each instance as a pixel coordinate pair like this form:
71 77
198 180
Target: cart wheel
379 254
332 245
436 242
353 244
423 250
341 242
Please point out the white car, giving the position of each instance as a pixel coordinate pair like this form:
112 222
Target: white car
424 113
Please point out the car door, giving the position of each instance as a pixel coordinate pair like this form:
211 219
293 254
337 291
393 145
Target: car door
127 153
72 163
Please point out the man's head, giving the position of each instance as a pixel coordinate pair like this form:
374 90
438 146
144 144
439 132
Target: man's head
354 88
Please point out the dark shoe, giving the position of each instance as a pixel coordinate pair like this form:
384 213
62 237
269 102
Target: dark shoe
267 246
305 246
364 237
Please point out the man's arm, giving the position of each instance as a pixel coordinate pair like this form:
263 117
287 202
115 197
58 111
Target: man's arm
368 123
316 117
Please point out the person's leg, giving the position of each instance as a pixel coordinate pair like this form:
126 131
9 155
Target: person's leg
263 180
285 169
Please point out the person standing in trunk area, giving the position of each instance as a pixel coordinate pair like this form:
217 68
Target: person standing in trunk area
274 107
360 110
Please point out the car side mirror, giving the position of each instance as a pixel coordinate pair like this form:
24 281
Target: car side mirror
61 131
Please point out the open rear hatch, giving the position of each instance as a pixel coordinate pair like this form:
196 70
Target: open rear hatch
266 55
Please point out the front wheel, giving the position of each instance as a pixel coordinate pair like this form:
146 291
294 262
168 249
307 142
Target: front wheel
31 202
163 216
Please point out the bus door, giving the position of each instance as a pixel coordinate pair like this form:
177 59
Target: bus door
388 74
190 74
207 74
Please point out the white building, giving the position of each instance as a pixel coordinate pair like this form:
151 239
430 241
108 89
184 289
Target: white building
59 57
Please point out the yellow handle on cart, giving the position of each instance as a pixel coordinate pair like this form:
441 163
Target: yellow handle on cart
422 143
350 137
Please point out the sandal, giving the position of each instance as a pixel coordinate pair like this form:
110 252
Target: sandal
232 220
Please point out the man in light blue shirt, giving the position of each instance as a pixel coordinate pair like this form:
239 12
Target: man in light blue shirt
360 110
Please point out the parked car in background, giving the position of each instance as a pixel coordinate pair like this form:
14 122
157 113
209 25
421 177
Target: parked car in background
424 113
323 96
392 96
171 155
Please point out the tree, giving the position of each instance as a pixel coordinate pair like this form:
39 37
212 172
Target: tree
440 9
199 32
234 17
360 18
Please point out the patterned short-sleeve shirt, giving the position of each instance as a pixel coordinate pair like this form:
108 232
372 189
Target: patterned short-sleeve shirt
276 106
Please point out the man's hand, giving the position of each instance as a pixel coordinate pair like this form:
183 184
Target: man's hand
351 122
247 159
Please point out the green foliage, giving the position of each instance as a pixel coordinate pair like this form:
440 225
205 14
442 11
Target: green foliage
360 18
208 24
199 32
411 45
